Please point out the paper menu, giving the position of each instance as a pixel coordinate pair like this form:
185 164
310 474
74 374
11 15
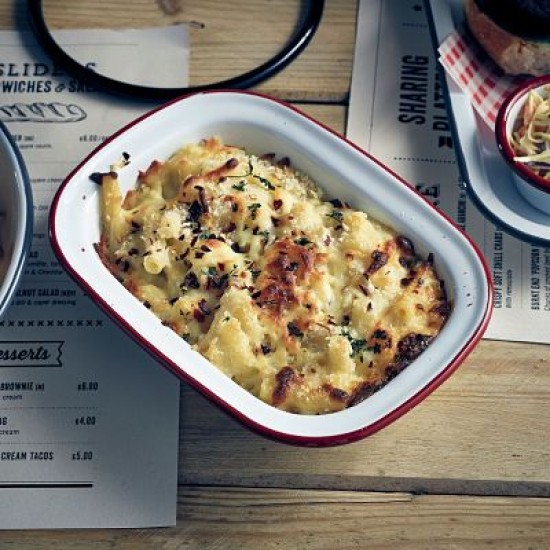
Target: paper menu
136 51
398 113
88 420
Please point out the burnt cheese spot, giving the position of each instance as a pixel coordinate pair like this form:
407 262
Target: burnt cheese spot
405 245
202 198
412 345
379 260
284 380
442 309
408 349
294 330
97 177
336 394
287 266
232 163
195 211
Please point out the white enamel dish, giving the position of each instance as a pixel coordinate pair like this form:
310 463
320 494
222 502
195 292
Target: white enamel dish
489 180
261 125
16 217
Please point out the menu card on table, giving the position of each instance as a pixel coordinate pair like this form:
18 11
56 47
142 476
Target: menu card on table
398 113
88 420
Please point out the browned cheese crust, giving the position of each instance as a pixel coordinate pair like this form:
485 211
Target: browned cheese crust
307 303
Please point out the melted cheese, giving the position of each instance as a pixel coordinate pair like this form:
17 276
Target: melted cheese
308 304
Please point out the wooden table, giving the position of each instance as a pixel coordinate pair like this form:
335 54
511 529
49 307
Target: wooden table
468 468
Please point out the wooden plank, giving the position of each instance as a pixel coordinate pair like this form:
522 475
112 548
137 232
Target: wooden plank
228 518
477 434
323 70
227 39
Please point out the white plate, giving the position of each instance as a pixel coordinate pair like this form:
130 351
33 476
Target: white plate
16 217
488 179
262 124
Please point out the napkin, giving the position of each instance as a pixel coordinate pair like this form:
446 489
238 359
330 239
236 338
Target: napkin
476 74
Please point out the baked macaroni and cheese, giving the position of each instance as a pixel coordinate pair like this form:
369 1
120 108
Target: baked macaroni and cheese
310 305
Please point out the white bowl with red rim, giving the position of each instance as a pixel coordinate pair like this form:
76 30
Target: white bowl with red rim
260 124
533 187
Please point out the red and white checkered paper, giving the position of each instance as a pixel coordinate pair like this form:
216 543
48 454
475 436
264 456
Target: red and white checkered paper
476 74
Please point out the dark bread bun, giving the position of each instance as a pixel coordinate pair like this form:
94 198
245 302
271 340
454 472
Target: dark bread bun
515 33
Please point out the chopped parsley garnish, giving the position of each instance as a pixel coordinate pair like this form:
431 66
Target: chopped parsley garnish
376 348
253 209
357 344
242 184
211 271
239 186
266 182
302 241
336 215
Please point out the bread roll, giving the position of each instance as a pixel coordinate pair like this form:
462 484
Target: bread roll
514 33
